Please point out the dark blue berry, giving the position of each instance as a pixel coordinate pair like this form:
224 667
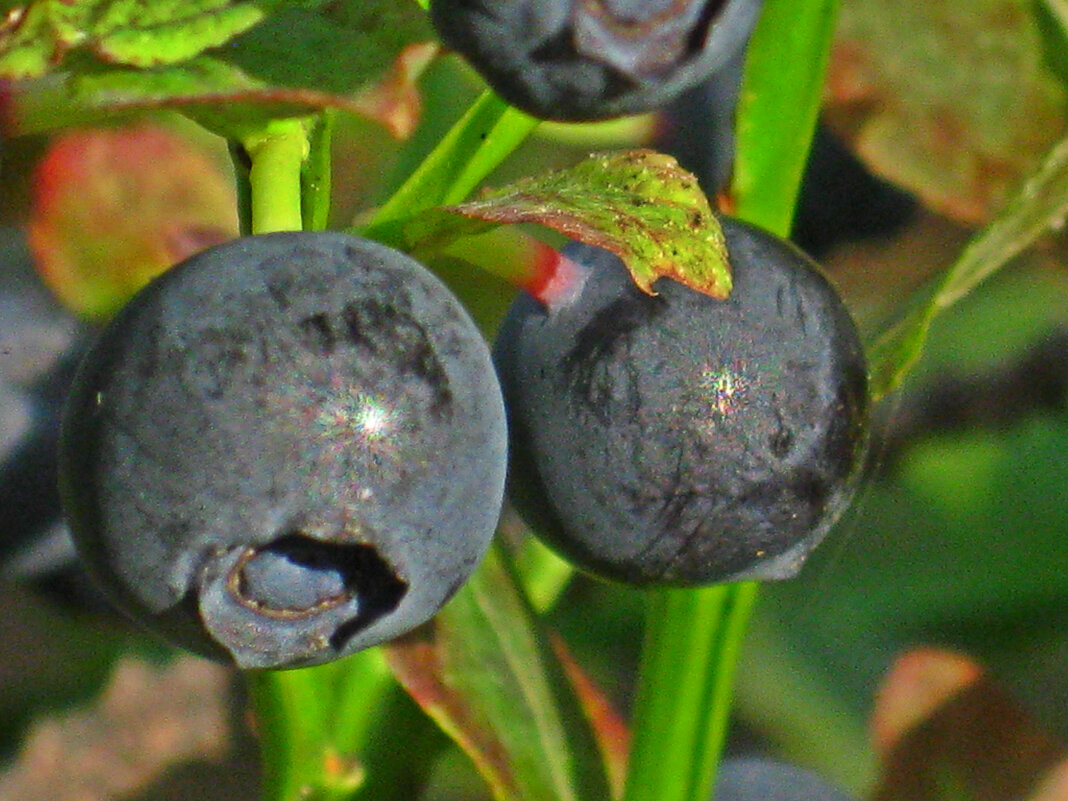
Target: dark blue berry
581 60
679 439
287 448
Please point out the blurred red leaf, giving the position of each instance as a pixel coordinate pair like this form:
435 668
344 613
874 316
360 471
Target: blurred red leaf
609 727
115 207
1054 786
953 100
945 730
394 101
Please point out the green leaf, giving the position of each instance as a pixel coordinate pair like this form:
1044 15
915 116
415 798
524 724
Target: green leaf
638 204
484 669
43 34
1039 206
362 57
780 100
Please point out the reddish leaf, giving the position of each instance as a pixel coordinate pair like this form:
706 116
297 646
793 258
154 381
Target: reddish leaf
1054 786
394 101
115 207
918 684
609 727
962 736
485 671
953 100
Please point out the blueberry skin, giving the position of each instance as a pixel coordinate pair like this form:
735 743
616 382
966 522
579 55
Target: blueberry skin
286 449
682 440
581 60
762 780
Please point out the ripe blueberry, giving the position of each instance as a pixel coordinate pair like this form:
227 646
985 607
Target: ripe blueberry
577 60
679 439
287 448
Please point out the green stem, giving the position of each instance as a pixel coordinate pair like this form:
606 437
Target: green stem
487 133
290 729
684 688
277 152
785 70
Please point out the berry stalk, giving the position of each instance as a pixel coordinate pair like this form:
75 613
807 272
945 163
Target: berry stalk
691 645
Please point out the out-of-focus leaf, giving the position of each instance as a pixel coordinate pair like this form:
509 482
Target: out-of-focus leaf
639 204
1054 786
485 671
146 721
953 100
362 57
115 207
977 743
38 37
917 685
609 727
1039 206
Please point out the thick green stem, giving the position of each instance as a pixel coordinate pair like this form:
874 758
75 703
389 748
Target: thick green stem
684 688
277 155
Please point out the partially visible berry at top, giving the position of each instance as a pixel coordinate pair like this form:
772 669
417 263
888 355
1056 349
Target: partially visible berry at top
580 60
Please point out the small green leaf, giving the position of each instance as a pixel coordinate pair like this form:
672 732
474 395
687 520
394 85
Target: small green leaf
1039 206
148 34
486 672
638 204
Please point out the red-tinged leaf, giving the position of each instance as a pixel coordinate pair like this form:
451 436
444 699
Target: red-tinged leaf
609 727
485 671
394 101
639 204
954 100
115 207
1054 786
918 683
978 743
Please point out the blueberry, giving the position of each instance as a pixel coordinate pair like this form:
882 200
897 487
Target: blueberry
763 780
577 60
679 439
288 448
